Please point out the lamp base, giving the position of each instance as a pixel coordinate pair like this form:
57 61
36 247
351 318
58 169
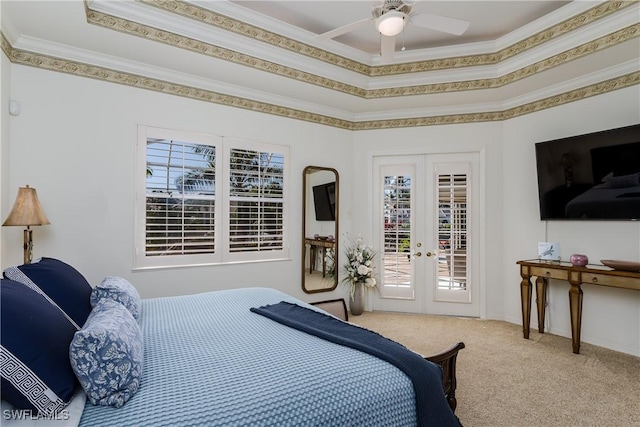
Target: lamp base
28 245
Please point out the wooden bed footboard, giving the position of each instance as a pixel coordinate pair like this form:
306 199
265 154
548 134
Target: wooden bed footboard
447 361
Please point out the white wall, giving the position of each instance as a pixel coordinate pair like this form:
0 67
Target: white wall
75 143
610 317
5 93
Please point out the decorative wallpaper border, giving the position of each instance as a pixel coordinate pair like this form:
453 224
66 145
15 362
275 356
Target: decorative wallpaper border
186 43
80 69
183 42
610 85
50 63
230 24
514 76
204 15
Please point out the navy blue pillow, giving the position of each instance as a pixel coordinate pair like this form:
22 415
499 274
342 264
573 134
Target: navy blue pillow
59 283
35 369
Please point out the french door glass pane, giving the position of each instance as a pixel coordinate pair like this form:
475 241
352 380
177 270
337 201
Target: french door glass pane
397 231
452 231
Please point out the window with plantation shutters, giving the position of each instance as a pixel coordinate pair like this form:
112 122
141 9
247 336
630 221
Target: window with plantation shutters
207 199
180 198
256 202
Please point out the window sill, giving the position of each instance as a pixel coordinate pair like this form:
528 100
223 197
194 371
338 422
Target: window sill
209 264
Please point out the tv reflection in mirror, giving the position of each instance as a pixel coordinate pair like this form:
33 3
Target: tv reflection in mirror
594 176
324 199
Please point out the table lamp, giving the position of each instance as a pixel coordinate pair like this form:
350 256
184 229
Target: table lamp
27 211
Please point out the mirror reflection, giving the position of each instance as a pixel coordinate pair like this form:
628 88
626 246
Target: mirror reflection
319 229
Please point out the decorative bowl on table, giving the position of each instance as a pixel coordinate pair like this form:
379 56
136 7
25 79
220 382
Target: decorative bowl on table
621 265
579 260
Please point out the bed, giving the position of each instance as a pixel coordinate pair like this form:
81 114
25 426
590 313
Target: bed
214 359
615 170
602 201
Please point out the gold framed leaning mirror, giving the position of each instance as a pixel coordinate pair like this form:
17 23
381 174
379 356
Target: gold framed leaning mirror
320 189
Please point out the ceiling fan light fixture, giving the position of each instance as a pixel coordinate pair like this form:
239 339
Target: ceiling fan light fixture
391 23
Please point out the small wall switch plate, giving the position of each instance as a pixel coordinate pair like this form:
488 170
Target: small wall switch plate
14 107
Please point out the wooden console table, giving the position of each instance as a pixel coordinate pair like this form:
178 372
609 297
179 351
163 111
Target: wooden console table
324 244
544 270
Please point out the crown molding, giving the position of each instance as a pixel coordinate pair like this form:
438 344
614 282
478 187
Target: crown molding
531 40
31 51
516 48
514 76
609 74
393 87
213 51
50 63
621 82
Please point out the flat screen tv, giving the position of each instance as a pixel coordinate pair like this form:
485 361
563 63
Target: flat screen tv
595 176
324 199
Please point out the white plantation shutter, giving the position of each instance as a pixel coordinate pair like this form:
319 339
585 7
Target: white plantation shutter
453 197
256 201
180 198
204 199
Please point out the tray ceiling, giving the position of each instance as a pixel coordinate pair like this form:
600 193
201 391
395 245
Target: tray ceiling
266 56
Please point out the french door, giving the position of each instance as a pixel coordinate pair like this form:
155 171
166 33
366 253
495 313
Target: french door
426 232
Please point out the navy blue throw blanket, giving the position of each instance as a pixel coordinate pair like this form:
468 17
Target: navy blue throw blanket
431 405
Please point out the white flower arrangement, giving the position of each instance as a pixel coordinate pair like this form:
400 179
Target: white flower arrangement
358 267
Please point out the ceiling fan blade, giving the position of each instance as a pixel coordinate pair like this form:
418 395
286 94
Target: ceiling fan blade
387 46
344 29
440 23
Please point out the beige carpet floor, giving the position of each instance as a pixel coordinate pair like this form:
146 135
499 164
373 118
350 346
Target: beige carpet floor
505 380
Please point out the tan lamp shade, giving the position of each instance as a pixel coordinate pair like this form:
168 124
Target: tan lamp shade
26 209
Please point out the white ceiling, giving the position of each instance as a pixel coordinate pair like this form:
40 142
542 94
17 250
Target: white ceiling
234 60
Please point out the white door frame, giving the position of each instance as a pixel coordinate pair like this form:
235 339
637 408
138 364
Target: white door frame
478 270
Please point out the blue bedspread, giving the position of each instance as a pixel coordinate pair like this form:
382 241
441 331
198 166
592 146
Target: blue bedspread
431 405
210 361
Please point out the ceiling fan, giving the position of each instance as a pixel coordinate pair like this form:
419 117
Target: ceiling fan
392 16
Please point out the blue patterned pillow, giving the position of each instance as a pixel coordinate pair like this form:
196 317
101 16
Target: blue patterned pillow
34 351
61 284
106 354
120 290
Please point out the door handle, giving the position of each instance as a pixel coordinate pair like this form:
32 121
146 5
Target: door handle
417 254
432 253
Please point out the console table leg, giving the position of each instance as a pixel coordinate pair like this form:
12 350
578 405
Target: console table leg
324 261
541 301
525 294
575 306
312 258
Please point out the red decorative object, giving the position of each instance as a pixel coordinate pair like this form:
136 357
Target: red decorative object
579 260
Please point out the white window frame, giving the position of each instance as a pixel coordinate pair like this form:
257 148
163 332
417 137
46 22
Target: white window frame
221 255
235 143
